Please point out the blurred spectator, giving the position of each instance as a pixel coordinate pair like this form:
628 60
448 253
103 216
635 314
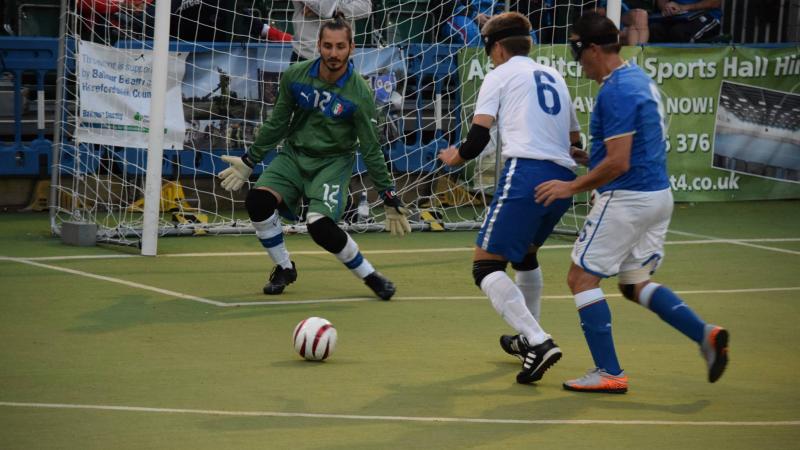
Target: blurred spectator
634 29
686 21
7 17
461 20
272 34
100 19
219 21
309 15
106 21
458 23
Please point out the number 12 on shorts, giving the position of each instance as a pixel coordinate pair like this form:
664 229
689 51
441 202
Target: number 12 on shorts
330 195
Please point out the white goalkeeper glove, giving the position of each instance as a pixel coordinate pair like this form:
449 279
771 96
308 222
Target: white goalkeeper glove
396 213
237 174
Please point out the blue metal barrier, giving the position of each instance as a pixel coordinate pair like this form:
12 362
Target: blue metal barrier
17 56
432 63
81 160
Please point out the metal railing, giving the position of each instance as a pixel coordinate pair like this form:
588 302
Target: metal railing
761 21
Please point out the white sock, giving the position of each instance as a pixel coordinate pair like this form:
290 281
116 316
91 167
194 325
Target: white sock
530 283
270 233
509 302
351 257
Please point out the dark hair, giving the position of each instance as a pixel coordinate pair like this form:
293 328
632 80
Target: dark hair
338 22
516 45
593 27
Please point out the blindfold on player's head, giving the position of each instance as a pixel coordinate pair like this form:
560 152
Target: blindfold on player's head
579 45
490 39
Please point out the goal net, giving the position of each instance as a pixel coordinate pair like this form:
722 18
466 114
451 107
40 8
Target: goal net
423 59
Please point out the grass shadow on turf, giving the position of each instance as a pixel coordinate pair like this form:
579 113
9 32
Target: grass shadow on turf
130 311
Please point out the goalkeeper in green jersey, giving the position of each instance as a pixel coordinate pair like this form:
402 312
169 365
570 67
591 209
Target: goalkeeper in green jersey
324 111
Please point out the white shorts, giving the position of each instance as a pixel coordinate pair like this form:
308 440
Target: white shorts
624 234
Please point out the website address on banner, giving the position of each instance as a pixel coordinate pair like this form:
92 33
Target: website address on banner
685 183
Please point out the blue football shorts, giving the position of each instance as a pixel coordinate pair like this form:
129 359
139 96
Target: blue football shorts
514 220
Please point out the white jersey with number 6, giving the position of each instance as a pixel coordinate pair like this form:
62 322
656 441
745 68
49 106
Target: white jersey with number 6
533 110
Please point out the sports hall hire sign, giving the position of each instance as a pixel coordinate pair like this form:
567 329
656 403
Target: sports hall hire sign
733 113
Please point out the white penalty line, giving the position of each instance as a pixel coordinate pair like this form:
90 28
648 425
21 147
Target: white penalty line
742 242
145 287
481 297
207 301
213 412
563 297
746 242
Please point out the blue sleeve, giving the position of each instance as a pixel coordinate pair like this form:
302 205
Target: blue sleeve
618 110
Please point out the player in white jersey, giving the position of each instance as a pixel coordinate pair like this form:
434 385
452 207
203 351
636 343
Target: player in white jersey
536 122
625 231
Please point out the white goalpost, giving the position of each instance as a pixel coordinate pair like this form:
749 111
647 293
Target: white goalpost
152 96
155 143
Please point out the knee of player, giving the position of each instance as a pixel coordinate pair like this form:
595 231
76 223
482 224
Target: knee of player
574 280
529 262
628 291
260 204
632 282
484 267
580 280
326 233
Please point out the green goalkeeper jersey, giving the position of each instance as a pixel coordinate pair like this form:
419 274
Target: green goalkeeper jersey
318 118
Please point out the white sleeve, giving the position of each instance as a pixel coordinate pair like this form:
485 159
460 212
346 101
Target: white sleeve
355 9
489 97
323 8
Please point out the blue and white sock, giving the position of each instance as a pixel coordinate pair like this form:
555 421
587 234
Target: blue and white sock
596 323
509 302
530 282
671 309
351 257
270 233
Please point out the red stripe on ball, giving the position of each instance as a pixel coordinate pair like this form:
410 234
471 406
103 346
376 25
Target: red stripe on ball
299 327
320 332
327 348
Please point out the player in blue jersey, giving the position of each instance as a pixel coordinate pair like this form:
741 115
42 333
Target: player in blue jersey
536 121
625 231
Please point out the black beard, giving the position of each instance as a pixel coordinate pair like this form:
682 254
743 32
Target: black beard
341 62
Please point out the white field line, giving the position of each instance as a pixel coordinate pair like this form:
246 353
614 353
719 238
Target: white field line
166 292
402 251
481 297
194 298
742 242
358 417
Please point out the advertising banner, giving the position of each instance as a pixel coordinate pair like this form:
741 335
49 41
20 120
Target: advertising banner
115 91
733 113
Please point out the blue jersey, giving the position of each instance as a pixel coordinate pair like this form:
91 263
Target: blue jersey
629 103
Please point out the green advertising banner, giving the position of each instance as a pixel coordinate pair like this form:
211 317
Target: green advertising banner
733 114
